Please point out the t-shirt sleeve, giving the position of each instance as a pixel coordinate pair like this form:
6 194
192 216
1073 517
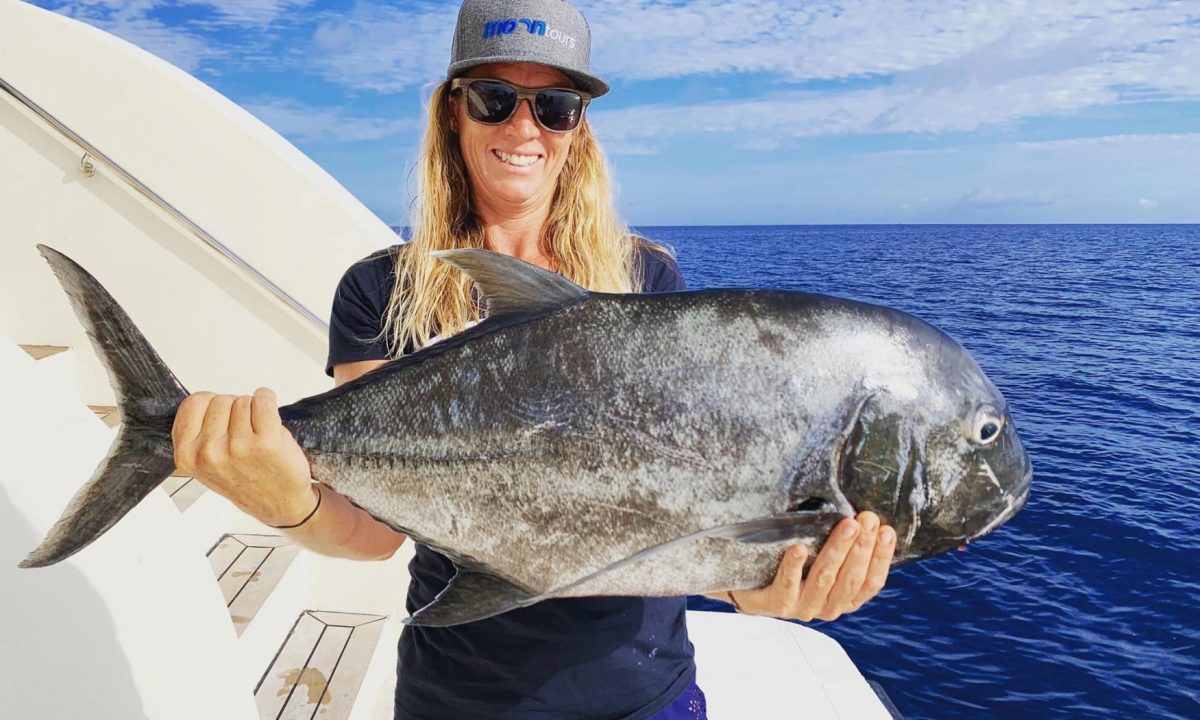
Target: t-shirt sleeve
660 271
356 321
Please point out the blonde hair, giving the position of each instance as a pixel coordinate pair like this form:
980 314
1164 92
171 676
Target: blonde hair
583 237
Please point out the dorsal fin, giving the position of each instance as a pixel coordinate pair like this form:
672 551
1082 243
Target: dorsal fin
512 286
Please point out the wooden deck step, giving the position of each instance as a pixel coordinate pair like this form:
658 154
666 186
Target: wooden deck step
248 567
320 667
37 352
108 413
183 490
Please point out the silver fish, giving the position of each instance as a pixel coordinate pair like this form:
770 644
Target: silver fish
579 443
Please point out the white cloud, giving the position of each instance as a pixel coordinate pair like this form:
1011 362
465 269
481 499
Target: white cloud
252 12
960 70
1176 140
182 49
387 49
767 122
800 41
955 41
1057 181
965 69
988 199
247 12
195 44
630 147
305 123
85 7
129 20
967 65
765 144
1147 203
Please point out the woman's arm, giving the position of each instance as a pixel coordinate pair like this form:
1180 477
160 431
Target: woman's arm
238 447
851 569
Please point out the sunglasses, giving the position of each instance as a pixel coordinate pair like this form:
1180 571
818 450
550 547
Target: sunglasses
493 102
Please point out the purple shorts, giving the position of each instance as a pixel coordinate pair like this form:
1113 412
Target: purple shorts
690 705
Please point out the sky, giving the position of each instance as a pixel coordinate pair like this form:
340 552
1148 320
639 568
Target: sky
756 111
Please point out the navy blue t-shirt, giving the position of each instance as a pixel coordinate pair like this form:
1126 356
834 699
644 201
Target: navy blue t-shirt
604 657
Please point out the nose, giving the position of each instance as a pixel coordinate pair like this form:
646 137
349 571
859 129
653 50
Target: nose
522 124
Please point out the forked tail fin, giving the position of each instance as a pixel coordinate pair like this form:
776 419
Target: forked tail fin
148 395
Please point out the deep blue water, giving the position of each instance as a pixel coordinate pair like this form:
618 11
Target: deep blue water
1087 604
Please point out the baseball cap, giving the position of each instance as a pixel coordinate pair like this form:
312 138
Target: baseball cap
547 32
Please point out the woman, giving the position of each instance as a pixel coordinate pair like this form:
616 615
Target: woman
508 163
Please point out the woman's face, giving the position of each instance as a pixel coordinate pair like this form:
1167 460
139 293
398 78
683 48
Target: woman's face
513 166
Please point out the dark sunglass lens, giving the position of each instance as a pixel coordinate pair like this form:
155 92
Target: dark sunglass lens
559 110
490 102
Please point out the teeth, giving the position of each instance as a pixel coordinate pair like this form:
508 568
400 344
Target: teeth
518 160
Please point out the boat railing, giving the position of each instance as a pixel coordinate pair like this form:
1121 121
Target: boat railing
92 156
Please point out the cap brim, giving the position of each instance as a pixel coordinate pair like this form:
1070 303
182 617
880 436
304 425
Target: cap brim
590 84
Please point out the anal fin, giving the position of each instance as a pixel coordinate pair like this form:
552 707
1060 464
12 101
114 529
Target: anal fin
471 595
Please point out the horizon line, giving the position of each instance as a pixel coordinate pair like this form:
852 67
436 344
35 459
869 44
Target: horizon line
903 224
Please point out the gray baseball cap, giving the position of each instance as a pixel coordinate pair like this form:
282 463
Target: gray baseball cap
548 32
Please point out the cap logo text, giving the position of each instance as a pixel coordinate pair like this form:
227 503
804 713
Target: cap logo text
508 27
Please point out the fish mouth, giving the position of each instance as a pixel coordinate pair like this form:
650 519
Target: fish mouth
1013 504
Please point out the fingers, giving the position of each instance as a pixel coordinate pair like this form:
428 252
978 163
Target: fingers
239 448
264 414
854 568
790 575
209 428
216 421
239 418
780 597
825 569
881 562
850 570
188 420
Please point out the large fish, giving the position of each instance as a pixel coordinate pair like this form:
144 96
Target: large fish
579 443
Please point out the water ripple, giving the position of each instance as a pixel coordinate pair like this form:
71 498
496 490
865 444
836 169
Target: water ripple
1085 605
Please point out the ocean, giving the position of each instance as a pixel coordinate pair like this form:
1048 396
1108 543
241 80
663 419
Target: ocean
1087 604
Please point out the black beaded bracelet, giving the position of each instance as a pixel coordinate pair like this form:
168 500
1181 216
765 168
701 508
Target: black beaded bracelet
306 517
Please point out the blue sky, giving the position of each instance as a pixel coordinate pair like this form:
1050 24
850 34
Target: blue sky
758 111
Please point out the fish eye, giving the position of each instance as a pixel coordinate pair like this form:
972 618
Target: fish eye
988 424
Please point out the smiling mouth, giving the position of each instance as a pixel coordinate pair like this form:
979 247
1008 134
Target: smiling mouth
516 159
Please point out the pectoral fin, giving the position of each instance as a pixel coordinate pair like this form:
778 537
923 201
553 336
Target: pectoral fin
475 594
775 528
792 526
471 595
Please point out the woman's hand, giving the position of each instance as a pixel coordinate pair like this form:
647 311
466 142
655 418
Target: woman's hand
851 569
238 447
